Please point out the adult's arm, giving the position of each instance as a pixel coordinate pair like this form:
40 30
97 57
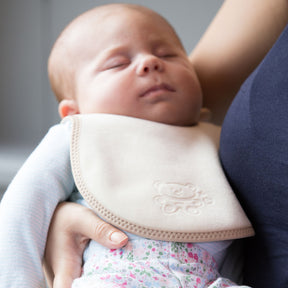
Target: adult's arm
233 45
27 207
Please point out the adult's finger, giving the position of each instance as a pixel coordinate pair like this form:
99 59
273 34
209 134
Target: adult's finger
84 223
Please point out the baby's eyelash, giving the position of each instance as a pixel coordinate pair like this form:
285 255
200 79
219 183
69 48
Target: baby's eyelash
166 53
114 64
169 55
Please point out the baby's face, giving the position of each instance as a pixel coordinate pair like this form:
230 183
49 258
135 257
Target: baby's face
131 63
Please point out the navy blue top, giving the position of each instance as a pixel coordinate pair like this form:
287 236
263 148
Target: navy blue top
254 154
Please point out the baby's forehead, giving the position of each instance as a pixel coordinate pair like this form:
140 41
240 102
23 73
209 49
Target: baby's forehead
107 20
99 16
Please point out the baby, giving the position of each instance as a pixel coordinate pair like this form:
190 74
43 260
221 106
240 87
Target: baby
114 64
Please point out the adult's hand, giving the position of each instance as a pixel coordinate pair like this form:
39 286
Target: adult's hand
72 227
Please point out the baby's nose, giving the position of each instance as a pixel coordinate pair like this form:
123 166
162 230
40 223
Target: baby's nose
148 64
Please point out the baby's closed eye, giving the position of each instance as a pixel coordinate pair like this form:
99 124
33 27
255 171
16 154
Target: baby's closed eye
116 62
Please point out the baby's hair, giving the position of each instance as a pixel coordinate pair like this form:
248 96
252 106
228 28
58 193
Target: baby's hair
61 65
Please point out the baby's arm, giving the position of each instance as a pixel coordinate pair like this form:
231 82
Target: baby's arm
235 42
27 208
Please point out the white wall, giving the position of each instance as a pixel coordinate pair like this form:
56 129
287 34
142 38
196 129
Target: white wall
27 31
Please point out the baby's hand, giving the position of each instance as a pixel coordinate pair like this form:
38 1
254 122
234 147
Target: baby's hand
71 229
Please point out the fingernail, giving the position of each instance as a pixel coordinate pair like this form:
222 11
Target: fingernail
118 237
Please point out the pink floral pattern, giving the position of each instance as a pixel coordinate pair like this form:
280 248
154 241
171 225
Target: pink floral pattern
148 263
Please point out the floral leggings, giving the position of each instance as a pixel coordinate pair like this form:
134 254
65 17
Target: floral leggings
149 263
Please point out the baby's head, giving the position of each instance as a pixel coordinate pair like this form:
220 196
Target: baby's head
127 60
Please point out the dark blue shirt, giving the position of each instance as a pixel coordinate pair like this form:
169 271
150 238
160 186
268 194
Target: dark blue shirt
254 154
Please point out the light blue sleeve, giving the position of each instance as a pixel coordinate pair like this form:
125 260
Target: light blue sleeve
27 207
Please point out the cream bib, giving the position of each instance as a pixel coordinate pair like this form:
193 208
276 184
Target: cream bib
155 180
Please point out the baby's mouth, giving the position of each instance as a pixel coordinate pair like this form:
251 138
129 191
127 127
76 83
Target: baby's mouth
157 89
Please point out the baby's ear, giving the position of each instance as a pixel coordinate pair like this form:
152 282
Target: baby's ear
68 107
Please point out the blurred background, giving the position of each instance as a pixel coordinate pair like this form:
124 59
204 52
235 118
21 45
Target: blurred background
28 30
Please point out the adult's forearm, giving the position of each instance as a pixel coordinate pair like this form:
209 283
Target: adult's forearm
236 41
